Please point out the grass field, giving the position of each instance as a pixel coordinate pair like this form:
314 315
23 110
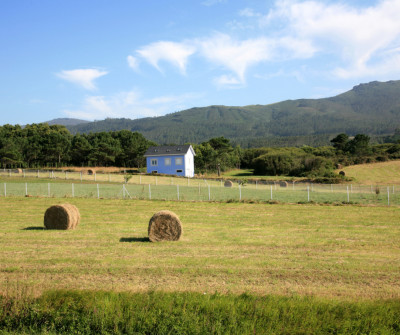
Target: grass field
375 173
343 252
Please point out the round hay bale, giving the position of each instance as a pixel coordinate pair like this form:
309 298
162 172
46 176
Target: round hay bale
62 217
90 172
18 171
342 173
165 226
228 183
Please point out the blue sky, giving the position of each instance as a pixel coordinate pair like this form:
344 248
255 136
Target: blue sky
124 58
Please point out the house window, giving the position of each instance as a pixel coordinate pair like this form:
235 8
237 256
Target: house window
154 162
179 171
178 161
167 161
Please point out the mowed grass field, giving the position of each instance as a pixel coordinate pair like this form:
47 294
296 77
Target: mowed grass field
349 253
375 173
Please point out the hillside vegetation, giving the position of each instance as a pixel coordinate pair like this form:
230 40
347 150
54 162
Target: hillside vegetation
372 109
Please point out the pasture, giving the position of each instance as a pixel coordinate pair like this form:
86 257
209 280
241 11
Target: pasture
335 252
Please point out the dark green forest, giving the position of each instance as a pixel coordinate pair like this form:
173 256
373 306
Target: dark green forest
43 145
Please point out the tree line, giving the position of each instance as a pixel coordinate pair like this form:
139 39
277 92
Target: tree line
41 145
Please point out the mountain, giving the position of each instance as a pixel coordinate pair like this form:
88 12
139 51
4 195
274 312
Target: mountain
66 122
372 109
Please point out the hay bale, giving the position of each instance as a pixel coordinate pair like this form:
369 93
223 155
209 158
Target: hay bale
164 226
90 172
18 171
342 173
228 183
62 217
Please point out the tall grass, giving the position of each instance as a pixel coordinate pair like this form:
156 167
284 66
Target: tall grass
84 312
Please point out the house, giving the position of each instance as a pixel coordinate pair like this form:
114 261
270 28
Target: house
175 160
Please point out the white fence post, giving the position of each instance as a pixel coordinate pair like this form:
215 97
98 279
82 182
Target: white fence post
240 193
26 189
348 194
149 192
308 193
388 192
177 191
209 193
271 192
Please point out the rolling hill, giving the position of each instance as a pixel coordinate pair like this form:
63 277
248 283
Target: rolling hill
372 109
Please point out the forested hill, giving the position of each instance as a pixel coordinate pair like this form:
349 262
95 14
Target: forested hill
372 109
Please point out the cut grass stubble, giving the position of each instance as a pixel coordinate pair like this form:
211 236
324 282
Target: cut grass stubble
345 252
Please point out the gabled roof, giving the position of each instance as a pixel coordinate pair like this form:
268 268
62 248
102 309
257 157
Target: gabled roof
168 150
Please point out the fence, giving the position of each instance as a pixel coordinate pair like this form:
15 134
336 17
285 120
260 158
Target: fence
203 190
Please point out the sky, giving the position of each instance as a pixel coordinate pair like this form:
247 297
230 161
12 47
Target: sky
97 59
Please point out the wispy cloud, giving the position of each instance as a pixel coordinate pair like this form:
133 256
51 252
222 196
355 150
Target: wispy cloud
130 104
213 2
133 62
359 37
82 77
172 52
359 41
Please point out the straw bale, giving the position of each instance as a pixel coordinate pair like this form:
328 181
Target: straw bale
283 183
164 226
90 172
62 217
342 173
228 183
18 171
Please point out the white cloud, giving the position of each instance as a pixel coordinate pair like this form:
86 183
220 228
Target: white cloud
82 77
357 36
236 56
131 105
212 2
133 62
226 81
175 53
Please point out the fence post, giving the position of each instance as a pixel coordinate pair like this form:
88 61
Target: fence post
177 191
149 192
271 192
308 193
26 189
240 193
209 193
23 172
388 196
37 174
9 172
348 194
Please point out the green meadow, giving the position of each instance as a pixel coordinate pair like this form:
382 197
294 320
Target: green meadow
247 267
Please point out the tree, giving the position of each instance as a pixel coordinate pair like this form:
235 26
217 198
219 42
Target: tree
340 142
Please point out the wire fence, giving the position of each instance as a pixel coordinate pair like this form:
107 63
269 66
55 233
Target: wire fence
116 186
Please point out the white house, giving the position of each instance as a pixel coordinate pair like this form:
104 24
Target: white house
174 160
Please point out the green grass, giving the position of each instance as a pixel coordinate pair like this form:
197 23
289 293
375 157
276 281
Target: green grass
344 252
168 188
375 173
69 312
